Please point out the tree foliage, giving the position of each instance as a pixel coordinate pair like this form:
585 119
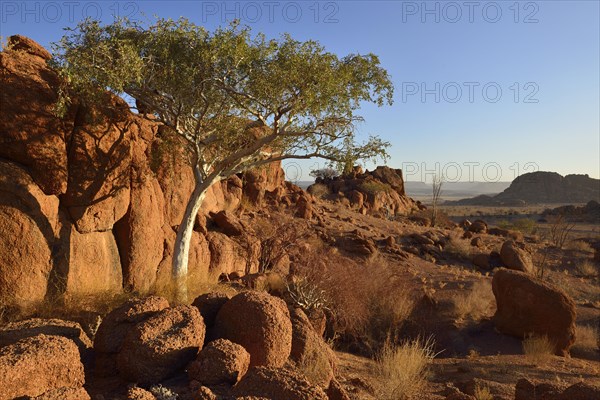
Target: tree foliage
207 86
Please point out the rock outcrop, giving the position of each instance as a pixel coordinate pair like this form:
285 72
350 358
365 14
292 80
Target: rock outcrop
528 306
90 201
379 192
115 327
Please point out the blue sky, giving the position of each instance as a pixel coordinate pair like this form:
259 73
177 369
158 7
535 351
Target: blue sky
483 90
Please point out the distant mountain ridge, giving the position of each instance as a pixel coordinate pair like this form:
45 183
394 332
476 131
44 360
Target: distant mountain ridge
541 187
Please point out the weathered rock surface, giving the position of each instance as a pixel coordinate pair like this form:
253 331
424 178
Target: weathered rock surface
161 345
94 263
220 362
526 305
39 364
277 384
259 322
478 226
335 391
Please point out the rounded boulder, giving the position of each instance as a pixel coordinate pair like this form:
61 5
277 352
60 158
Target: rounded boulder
160 346
261 324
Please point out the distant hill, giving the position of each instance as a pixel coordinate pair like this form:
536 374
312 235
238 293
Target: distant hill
541 187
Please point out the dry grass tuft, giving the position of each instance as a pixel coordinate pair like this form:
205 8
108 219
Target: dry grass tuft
586 338
587 268
475 303
483 393
538 349
579 245
403 369
459 247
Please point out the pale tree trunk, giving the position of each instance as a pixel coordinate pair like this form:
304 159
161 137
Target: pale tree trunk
184 236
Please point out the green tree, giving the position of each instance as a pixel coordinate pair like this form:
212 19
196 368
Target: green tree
206 86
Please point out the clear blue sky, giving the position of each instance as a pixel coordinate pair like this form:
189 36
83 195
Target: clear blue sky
447 60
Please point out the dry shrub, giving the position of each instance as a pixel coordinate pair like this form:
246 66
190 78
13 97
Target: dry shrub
278 241
342 282
389 312
403 368
538 349
483 393
367 301
476 302
319 190
458 247
559 230
586 338
587 268
579 245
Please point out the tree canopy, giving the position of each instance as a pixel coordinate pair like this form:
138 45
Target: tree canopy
208 85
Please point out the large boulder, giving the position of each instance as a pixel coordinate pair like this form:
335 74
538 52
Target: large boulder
228 255
30 132
160 346
259 322
515 257
478 226
277 384
526 305
15 331
39 364
118 322
220 362
310 352
28 224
